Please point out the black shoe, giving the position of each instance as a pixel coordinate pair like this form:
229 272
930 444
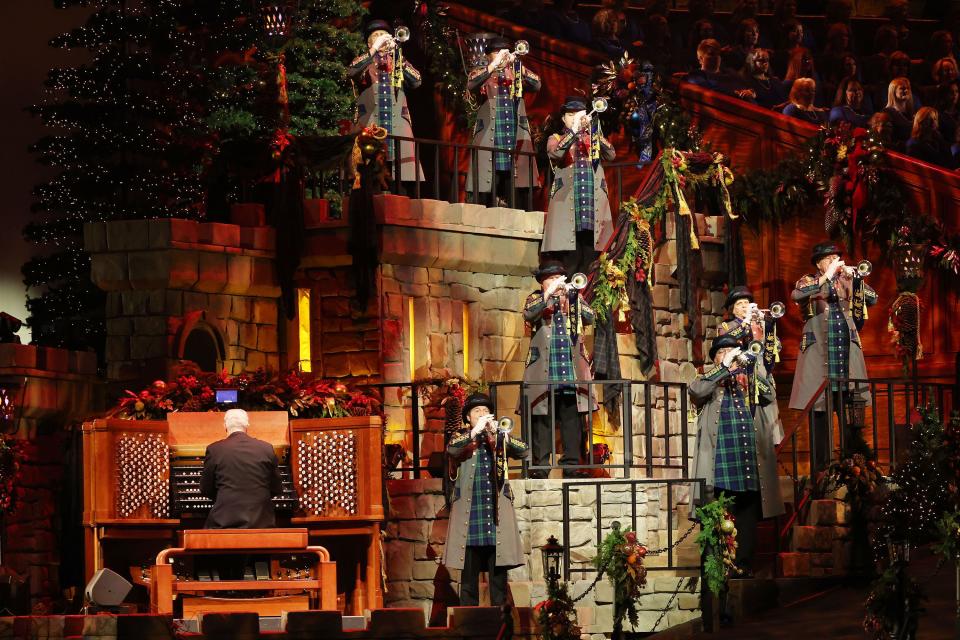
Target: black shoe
537 474
574 473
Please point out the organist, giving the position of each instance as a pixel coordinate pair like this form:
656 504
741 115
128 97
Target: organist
240 475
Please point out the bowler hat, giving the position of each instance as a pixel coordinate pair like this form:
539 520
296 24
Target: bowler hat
738 293
573 103
496 43
722 342
377 25
549 268
825 249
475 400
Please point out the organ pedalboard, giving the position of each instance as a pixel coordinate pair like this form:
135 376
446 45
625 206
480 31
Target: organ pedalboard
186 498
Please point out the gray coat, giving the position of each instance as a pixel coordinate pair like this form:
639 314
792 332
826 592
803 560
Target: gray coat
559 230
485 83
509 546
364 74
707 393
812 361
537 314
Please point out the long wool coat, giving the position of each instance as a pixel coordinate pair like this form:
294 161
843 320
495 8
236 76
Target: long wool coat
509 546
363 71
707 394
485 83
812 362
559 231
538 315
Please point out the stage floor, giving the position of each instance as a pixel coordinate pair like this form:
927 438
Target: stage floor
837 613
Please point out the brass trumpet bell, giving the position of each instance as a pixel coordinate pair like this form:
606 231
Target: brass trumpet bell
578 281
505 425
599 104
402 34
777 310
755 348
864 268
521 48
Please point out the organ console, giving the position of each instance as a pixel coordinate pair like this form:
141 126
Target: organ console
143 511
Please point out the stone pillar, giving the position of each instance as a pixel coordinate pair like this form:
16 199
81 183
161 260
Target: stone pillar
165 278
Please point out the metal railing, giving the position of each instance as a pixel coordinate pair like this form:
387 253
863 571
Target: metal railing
668 547
883 417
510 396
438 186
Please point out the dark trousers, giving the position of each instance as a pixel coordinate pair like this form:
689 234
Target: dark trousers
850 422
579 261
571 429
747 511
502 179
479 559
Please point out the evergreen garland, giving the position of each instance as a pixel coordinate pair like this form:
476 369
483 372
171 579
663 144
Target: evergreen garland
556 616
621 556
718 542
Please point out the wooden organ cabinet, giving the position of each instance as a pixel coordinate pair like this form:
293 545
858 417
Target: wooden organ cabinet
141 494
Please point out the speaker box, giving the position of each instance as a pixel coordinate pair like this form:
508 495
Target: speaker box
107 588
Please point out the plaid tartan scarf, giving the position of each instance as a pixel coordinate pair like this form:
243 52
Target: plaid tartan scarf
735 462
583 205
561 367
504 122
838 340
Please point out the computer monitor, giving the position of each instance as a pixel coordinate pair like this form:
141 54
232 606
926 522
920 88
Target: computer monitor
226 396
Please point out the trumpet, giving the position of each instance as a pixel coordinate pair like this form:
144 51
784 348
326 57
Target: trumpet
776 310
599 105
503 425
577 282
754 349
521 48
401 35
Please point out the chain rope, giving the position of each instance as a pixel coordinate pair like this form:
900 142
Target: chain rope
663 613
654 552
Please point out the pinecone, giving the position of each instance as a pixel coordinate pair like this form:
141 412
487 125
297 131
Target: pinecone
454 416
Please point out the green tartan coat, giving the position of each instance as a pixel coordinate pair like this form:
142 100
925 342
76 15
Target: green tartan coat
707 393
509 546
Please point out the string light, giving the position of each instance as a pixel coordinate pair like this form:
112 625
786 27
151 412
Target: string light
171 93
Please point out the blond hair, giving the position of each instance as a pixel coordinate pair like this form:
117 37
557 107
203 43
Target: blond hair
799 84
905 106
925 122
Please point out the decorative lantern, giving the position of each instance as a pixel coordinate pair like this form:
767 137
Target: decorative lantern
552 555
908 261
276 18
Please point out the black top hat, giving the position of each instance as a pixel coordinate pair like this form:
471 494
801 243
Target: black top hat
722 342
573 103
496 43
738 293
825 249
549 268
377 25
475 400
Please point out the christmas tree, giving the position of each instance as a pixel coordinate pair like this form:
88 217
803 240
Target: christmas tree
184 107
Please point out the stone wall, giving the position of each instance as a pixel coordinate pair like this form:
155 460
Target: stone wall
164 276
417 527
61 389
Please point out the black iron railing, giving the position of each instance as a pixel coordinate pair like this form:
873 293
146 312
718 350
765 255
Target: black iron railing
441 176
604 523
406 396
